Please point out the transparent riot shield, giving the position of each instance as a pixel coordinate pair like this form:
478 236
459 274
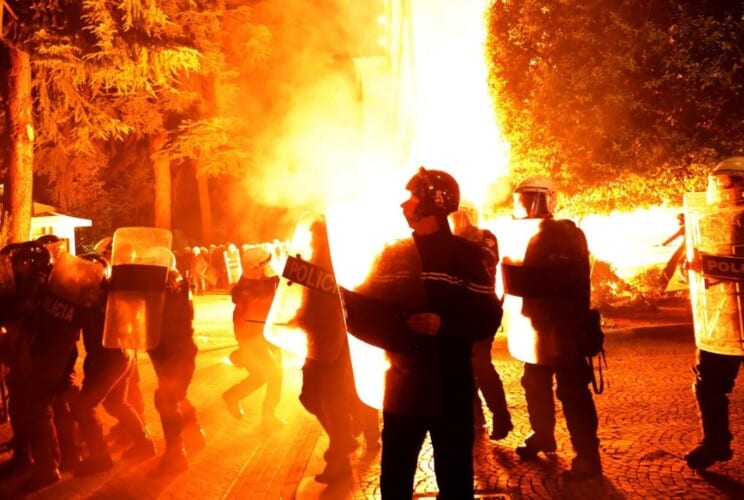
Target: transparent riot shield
72 289
376 321
716 242
75 280
140 260
232 264
521 336
306 317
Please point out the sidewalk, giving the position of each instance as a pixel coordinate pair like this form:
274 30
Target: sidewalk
647 415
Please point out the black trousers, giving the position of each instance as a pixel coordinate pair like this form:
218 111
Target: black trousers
715 377
572 389
452 437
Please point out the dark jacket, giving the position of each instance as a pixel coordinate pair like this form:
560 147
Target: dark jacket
443 274
559 249
252 299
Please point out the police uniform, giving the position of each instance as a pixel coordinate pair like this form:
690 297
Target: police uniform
557 322
174 362
717 307
486 377
252 297
431 387
106 373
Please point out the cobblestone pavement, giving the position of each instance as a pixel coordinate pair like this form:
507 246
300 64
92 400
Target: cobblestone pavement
647 415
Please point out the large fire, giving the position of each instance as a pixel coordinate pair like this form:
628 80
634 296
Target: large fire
426 103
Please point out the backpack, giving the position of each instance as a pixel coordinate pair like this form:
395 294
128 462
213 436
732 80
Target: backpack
591 345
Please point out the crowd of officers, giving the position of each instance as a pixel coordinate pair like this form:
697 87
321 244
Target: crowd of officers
437 290
44 311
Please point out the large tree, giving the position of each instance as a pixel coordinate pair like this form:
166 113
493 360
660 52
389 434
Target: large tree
17 171
621 101
103 71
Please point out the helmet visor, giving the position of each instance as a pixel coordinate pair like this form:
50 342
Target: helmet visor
530 205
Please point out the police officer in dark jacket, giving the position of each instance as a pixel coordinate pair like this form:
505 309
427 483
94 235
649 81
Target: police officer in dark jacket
717 299
555 291
328 390
53 332
253 295
25 269
487 379
106 373
440 280
174 362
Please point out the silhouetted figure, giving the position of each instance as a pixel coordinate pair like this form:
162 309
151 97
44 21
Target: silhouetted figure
252 296
328 390
555 290
487 379
443 300
717 303
174 362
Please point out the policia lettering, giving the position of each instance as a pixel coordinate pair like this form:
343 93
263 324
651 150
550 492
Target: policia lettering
310 275
727 268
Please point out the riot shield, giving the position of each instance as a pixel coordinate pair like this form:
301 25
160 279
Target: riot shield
75 279
232 264
520 334
72 288
306 315
140 260
715 238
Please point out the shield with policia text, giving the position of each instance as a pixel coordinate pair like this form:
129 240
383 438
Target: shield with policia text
72 288
140 259
521 336
715 237
308 311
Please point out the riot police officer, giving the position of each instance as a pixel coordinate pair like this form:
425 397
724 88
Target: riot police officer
553 284
54 330
441 299
106 373
327 379
24 270
487 379
252 296
174 362
717 303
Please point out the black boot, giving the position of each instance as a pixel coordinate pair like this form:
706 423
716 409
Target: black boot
535 444
584 467
502 426
704 455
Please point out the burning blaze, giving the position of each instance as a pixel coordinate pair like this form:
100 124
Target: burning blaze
425 102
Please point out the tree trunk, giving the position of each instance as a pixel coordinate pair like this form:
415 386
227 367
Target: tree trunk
15 85
205 206
162 175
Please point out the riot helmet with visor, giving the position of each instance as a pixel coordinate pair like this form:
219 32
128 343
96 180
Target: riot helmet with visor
726 183
534 198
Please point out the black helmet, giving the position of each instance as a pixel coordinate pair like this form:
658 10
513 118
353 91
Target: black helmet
437 191
29 259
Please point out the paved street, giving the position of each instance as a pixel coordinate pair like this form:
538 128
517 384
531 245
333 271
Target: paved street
647 422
